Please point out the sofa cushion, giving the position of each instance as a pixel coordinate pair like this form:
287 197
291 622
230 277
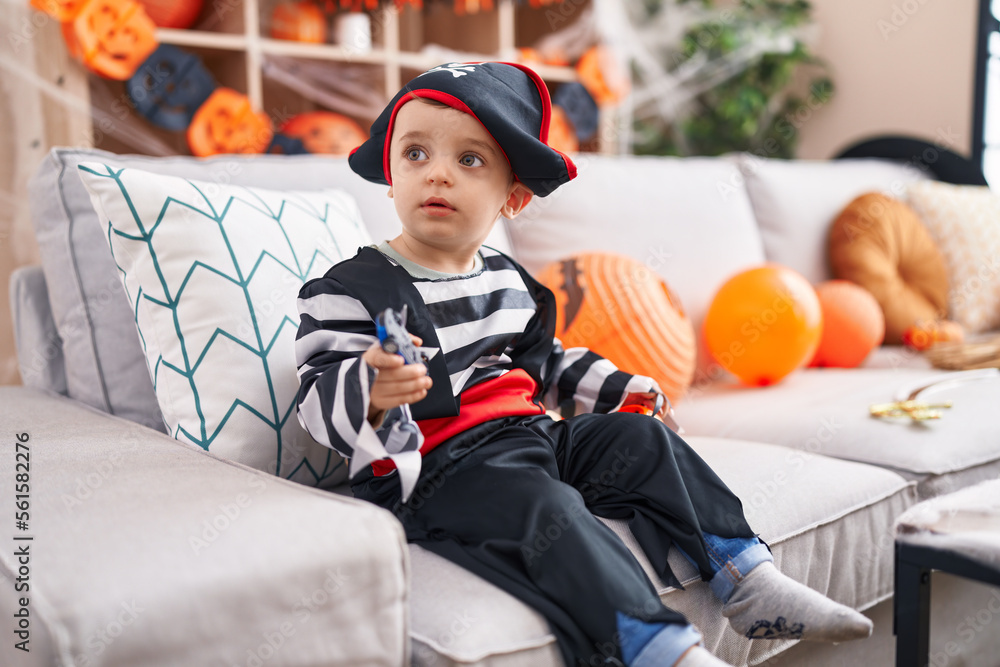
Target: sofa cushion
213 275
176 557
796 200
683 218
880 243
104 363
825 411
459 618
964 221
815 513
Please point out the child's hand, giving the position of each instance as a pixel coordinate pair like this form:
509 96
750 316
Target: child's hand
646 399
395 383
661 409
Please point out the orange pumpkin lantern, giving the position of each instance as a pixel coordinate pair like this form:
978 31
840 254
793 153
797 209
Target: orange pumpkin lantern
603 78
763 324
226 123
173 13
325 132
562 135
528 55
111 37
623 311
299 22
61 10
853 324
924 334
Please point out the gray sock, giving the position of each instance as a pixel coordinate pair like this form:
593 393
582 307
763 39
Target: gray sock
699 656
770 605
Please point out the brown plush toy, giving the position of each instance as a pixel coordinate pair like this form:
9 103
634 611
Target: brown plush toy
880 243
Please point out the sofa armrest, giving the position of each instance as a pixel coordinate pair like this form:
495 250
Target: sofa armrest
39 347
147 551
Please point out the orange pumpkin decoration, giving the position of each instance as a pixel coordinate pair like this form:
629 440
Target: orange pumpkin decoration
602 76
299 22
763 324
528 55
853 324
926 333
111 37
226 123
562 135
61 10
325 132
173 13
623 311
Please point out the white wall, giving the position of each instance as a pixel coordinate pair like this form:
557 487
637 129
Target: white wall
899 66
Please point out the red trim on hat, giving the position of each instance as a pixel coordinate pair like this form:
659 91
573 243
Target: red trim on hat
570 165
543 133
438 96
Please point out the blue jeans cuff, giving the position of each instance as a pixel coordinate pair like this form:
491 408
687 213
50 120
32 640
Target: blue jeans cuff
725 580
667 646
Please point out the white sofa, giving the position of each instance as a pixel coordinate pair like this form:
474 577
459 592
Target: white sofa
300 576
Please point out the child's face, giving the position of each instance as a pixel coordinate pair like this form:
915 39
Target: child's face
450 180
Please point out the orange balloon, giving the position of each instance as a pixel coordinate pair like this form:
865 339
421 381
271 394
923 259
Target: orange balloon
622 310
763 324
227 123
853 324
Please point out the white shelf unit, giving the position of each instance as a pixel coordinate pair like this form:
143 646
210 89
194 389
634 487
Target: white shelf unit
233 37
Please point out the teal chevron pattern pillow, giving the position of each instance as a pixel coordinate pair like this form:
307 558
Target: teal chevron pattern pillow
213 273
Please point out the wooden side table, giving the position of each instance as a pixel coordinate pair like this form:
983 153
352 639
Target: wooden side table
958 533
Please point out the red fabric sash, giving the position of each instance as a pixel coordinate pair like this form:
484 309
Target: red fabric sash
506 396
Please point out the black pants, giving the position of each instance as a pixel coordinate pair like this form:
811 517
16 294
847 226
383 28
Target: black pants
513 501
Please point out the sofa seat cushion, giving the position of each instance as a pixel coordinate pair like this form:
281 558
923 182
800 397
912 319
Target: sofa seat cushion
457 618
816 513
826 411
147 552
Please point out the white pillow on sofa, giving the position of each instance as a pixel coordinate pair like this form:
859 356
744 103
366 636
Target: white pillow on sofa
796 201
213 272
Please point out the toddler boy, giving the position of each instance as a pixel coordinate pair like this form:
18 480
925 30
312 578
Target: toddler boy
460 146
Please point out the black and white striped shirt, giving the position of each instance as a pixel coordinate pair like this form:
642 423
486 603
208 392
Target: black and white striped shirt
478 327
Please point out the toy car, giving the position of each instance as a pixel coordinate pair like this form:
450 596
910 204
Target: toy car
392 335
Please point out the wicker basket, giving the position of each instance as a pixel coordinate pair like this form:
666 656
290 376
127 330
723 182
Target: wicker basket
958 356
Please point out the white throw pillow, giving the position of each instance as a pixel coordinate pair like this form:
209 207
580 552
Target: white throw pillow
964 222
796 202
213 273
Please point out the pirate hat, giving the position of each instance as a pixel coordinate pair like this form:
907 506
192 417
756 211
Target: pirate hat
509 100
